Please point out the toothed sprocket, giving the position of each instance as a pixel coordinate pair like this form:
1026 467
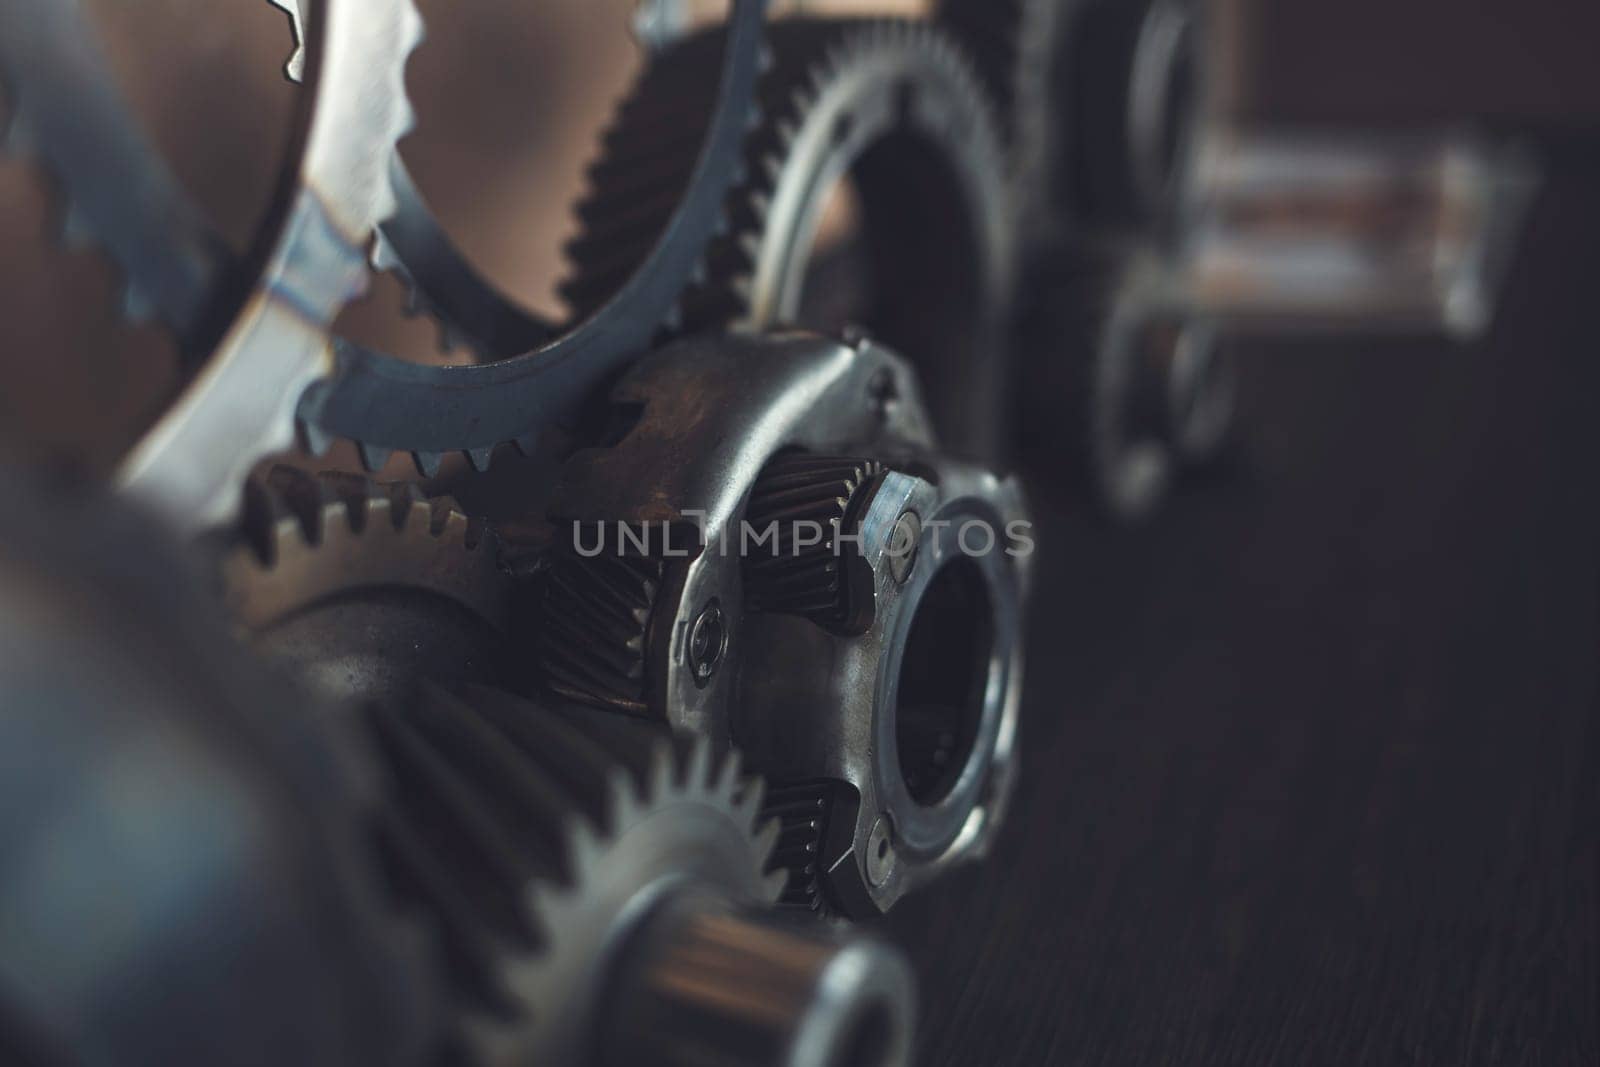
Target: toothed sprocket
564 862
894 108
537 374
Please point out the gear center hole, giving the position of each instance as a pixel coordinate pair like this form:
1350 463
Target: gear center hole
944 676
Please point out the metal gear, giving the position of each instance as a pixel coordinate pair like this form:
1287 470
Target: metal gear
1149 393
368 589
1015 45
565 862
895 107
529 839
1102 99
593 645
892 753
387 406
803 578
1099 98
260 328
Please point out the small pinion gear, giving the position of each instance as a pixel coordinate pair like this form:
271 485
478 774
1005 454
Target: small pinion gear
806 502
594 629
530 837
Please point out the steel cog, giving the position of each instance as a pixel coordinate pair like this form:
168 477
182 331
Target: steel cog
563 862
531 840
313 537
1014 44
895 106
386 406
669 816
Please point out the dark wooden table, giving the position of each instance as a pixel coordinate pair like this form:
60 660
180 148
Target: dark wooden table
1310 761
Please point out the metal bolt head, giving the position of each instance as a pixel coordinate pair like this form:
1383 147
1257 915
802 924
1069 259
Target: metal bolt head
903 545
880 852
708 641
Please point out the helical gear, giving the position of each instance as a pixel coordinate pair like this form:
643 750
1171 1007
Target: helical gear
595 628
811 503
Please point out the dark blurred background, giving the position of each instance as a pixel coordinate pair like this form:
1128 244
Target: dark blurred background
1310 760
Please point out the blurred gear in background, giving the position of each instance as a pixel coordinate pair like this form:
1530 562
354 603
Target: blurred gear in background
318 763
1155 224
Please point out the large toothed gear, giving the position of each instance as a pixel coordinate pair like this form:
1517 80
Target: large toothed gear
571 867
894 108
530 837
535 373
1099 98
1103 98
1014 45
367 588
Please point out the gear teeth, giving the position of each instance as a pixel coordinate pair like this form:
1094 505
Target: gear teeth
649 152
994 33
799 492
729 774
385 260
374 458
1016 48
294 68
314 440
427 463
593 642
798 817
699 767
452 339
504 813
287 511
413 32
811 58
